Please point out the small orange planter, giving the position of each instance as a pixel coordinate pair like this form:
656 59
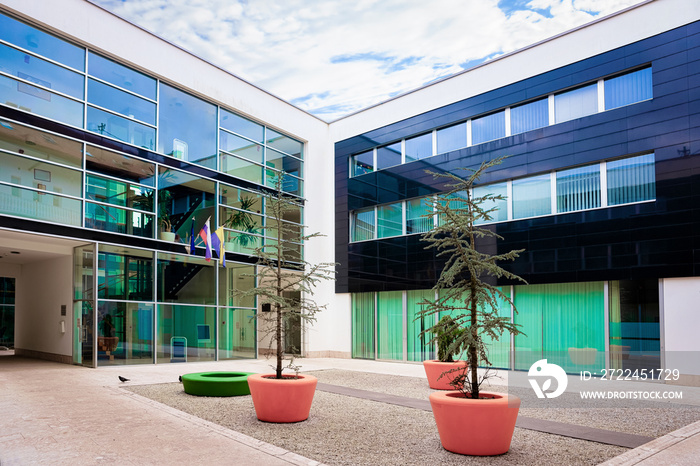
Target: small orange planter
282 400
482 427
434 369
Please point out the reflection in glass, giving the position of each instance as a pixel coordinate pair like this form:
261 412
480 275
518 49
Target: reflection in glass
283 143
125 333
576 103
241 168
501 206
236 333
186 279
631 180
530 116
127 273
39 144
388 156
186 333
362 224
233 277
114 219
281 162
419 147
242 126
40 42
628 88
40 206
532 196
418 346
389 220
43 176
241 147
120 128
489 127
41 72
41 102
240 198
186 127
419 215
578 188
121 102
452 138
362 163
121 166
119 193
121 76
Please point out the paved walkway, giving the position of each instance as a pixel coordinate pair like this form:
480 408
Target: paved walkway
60 414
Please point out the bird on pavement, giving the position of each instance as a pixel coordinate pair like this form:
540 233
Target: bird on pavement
180 378
123 379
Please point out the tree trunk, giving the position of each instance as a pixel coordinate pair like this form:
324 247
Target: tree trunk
472 350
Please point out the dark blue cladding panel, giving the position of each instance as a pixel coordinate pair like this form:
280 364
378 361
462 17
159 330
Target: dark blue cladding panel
648 240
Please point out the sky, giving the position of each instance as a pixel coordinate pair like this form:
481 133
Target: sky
335 57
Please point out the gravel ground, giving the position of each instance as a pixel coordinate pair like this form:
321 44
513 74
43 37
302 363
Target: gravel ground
351 431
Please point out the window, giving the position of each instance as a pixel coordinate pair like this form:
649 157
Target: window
362 225
578 188
419 147
121 76
628 88
362 163
242 126
388 156
389 220
121 102
452 138
283 143
241 147
631 180
529 116
500 205
419 218
489 127
576 103
532 196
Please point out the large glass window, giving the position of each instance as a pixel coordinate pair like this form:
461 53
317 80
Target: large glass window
419 346
578 188
419 218
563 323
118 193
242 126
362 163
241 168
127 274
452 138
628 88
362 224
631 180
107 162
123 129
389 220
237 338
529 116
186 279
125 333
283 143
41 72
363 325
121 76
241 214
40 145
419 147
186 127
121 102
241 147
489 127
576 103
388 156
186 333
40 42
498 207
234 277
532 196
390 325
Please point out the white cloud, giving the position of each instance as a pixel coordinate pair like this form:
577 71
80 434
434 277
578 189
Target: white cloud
332 57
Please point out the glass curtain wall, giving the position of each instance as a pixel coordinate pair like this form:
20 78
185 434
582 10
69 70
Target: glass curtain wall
631 180
419 346
451 138
419 215
561 322
363 327
240 212
532 196
578 188
390 325
237 324
489 127
499 207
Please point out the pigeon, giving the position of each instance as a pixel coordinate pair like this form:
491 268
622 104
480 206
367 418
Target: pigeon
123 379
179 377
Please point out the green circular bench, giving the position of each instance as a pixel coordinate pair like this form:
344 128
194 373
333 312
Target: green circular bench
216 383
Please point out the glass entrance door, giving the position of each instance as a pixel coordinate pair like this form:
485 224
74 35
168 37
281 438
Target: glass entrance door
84 325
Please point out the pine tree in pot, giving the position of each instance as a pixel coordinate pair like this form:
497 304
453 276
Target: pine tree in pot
285 283
442 371
466 292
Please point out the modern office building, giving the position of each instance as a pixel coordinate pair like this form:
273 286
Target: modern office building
111 136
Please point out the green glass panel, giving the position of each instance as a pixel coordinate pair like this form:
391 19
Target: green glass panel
186 279
419 218
236 333
500 207
498 349
418 347
560 322
128 222
363 325
124 333
186 333
125 273
390 325
236 277
389 220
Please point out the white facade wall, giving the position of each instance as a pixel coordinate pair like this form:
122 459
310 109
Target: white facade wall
681 322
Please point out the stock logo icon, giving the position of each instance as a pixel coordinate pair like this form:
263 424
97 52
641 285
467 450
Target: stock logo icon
546 372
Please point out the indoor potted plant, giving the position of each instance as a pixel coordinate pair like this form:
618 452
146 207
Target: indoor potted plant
243 222
442 371
466 291
285 286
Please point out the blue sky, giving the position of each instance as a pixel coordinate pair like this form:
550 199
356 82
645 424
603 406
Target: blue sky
334 57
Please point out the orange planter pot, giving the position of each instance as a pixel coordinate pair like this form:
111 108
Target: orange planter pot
482 427
434 369
282 400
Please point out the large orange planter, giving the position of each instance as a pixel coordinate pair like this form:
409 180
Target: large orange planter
482 427
282 400
434 370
